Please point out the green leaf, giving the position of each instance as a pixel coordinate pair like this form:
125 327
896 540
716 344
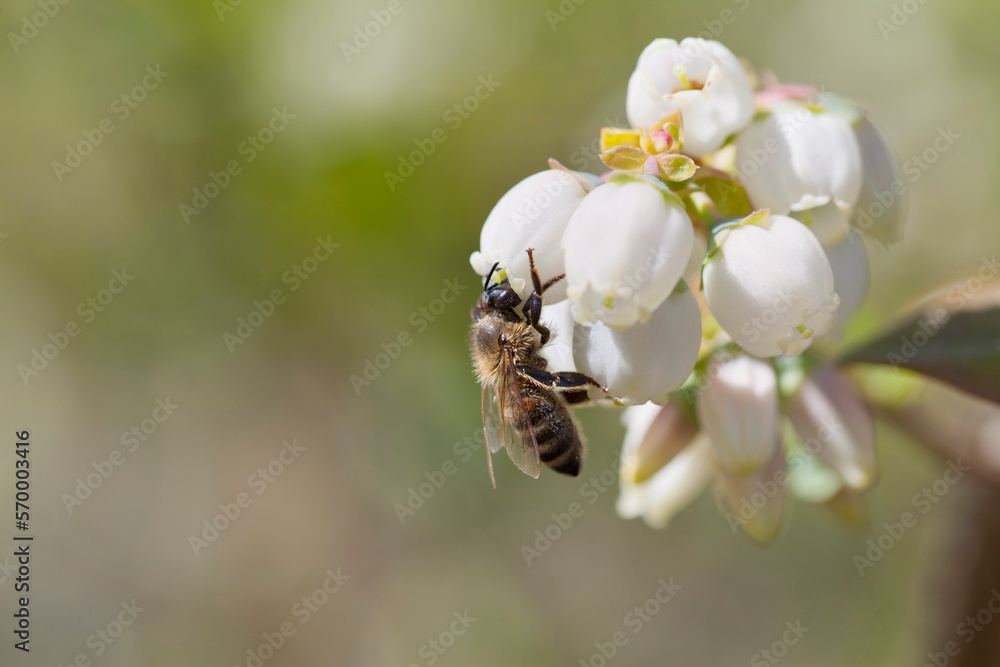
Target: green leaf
962 349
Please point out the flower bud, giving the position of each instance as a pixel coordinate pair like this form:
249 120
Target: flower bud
626 247
805 163
647 361
533 214
670 490
738 408
769 284
836 426
654 435
756 503
703 80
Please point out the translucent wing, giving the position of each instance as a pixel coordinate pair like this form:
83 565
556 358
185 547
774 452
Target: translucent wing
501 405
489 428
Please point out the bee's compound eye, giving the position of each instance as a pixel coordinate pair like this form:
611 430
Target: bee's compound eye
502 339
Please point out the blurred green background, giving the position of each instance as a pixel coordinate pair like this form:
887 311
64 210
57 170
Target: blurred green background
228 66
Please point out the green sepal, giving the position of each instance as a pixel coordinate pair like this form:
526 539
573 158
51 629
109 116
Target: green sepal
676 167
625 158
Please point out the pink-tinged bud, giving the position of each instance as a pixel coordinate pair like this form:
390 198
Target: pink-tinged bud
738 408
836 426
654 435
756 504
670 490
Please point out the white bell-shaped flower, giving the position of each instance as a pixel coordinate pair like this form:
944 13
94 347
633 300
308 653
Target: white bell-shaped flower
626 246
533 214
700 78
851 275
803 162
649 360
836 426
654 435
558 352
671 489
738 408
881 207
756 503
769 284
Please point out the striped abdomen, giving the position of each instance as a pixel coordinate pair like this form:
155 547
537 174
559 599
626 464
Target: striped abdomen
560 445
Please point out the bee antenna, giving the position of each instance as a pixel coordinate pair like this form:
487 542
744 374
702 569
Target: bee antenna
490 275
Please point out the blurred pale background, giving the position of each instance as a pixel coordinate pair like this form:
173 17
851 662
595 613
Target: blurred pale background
323 176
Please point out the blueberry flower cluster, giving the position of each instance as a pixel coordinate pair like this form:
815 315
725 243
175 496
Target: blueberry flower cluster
705 271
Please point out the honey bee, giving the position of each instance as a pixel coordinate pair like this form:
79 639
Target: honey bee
524 405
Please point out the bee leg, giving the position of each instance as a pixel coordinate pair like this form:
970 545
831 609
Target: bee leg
532 309
568 381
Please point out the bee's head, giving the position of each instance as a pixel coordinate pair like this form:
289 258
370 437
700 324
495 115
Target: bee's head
499 296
